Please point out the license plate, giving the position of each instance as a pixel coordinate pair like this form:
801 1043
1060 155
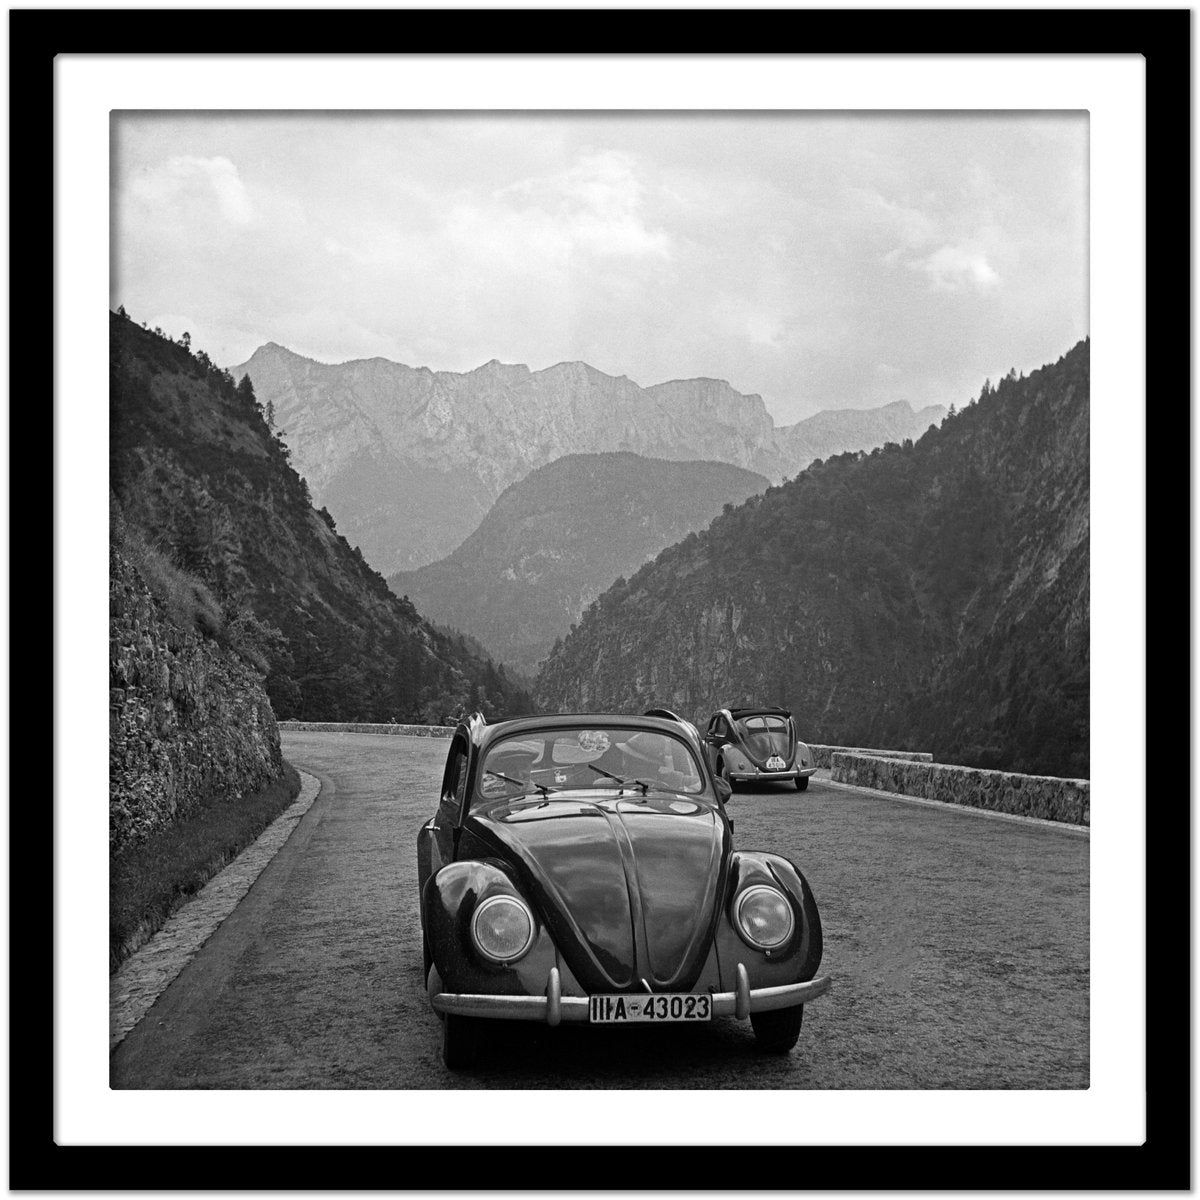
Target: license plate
775 764
665 1007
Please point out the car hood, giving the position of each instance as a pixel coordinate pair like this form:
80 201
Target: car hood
629 887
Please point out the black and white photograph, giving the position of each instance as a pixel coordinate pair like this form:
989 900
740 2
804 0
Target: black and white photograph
601 600
597 558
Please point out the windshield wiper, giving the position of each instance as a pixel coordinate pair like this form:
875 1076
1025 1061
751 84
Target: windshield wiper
545 789
623 782
662 787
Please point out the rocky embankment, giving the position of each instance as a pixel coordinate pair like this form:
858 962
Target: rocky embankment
188 720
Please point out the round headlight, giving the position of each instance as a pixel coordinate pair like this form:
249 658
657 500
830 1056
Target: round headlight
502 929
764 917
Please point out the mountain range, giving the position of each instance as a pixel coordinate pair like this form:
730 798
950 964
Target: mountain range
197 474
409 460
559 537
933 596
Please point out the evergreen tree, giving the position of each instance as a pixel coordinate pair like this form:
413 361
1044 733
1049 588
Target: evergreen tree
245 392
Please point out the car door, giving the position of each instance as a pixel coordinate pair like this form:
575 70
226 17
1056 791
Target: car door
715 739
439 836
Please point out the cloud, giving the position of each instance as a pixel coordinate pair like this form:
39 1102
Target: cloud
951 268
187 178
789 255
596 207
910 225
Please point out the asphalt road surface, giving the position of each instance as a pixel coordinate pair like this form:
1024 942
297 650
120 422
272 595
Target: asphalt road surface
958 948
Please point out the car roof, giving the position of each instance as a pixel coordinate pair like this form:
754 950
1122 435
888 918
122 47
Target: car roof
484 735
760 710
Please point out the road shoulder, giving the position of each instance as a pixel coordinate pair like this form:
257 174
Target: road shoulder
148 972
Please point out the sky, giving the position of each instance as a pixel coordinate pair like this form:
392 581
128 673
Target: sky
819 260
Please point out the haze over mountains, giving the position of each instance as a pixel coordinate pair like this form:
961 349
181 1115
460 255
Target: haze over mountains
559 537
932 596
409 460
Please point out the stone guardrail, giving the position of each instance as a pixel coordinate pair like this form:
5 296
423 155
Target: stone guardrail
431 731
1043 796
823 755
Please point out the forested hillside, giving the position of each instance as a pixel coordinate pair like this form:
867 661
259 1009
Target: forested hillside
199 475
558 538
933 596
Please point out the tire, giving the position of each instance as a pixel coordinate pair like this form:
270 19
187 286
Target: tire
460 1041
802 783
779 1030
426 955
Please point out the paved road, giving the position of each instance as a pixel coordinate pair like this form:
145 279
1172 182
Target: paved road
958 946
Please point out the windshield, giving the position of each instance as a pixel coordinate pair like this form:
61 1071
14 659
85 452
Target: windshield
588 757
764 735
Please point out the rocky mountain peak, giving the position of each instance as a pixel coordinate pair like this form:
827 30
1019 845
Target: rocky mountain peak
409 460
495 367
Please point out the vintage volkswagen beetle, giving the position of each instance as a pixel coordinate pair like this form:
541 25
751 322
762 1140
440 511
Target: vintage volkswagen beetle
581 868
758 744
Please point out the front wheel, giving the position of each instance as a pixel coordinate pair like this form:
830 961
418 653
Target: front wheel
779 1030
460 1041
802 783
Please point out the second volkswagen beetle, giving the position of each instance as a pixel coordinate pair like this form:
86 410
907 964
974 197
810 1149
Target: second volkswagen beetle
757 745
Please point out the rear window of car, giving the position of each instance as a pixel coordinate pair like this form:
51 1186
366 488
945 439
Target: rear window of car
762 724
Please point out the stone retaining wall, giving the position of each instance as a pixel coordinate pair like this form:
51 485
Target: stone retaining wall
433 731
823 755
188 720
1044 796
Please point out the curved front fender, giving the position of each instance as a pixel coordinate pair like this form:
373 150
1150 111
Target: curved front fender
450 899
735 759
796 962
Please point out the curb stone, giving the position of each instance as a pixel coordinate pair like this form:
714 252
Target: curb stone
147 973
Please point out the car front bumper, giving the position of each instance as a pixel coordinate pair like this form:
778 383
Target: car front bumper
771 776
554 1008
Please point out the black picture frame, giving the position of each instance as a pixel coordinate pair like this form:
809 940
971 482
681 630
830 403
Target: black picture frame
1162 37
